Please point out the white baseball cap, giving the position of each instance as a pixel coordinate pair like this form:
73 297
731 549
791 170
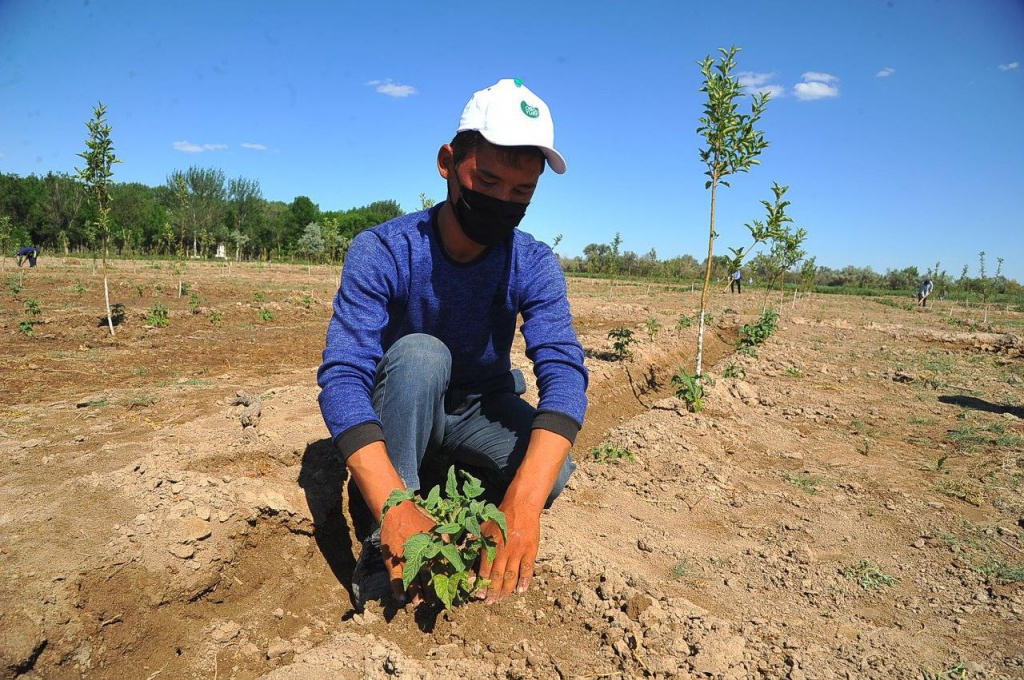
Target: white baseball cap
509 114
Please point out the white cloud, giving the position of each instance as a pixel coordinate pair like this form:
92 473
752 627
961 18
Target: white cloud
817 85
758 82
257 147
819 77
1008 67
189 147
885 72
393 89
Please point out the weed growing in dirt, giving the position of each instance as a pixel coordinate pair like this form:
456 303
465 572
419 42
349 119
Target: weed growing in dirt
755 334
937 465
868 575
140 371
446 554
652 326
79 288
259 297
802 481
14 284
32 307
690 389
747 351
25 327
957 672
683 570
1000 572
266 315
794 372
973 439
158 316
683 322
215 316
139 290
962 488
193 302
609 453
734 371
623 338
307 301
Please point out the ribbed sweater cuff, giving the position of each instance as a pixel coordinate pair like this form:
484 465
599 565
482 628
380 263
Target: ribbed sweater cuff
358 436
557 422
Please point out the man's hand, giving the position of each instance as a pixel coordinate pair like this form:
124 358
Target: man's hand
401 522
512 568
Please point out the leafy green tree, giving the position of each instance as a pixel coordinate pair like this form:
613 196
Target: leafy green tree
311 243
762 231
733 145
6 234
97 176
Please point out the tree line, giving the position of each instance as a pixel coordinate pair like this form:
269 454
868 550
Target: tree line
190 215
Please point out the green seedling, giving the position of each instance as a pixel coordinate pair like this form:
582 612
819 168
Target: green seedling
683 570
690 389
652 326
868 575
32 307
734 371
755 334
14 284
193 302
747 350
794 372
259 297
446 555
937 465
158 316
1000 572
683 322
623 338
805 482
307 301
957 672
266 315
117 312
609 453
79 288
215 316
25 327
140 290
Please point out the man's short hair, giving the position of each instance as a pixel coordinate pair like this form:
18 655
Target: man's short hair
471 140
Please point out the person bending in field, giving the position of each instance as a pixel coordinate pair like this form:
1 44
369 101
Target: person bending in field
736 285
416 371
28 254
924 291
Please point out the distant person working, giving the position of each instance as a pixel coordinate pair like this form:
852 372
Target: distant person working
737 282
29 253
924 291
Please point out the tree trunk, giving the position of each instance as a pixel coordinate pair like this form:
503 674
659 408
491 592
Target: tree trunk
707 279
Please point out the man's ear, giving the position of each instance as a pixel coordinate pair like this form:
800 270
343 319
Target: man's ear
445 156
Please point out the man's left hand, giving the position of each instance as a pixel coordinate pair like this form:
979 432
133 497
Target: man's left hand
512 568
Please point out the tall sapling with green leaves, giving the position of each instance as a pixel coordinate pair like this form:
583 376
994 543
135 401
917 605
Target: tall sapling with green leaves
733 145
98 177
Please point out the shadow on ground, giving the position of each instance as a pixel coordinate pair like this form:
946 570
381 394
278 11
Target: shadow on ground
981 405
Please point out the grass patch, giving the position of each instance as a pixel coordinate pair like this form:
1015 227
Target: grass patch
868 575
808 483
1001 572
684 570
922 420
610 453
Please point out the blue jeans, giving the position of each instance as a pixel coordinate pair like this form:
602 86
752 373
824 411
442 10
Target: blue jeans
427 424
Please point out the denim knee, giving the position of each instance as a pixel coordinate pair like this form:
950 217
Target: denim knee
424 354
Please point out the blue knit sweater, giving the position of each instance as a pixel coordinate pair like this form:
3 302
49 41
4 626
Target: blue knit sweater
398 280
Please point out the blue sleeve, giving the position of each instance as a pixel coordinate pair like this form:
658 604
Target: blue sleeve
552 346
353 348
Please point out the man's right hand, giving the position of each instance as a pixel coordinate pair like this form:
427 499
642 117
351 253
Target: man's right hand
400 523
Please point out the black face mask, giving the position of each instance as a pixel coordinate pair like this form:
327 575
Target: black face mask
485 220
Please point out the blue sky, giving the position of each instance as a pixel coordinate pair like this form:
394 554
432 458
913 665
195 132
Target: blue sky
896 125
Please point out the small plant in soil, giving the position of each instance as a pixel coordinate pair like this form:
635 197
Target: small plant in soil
794 372
14 284
259 297
868 575
117 313
216 316
266 315
611 453
937 465
755 334
447 553
690 389
79 289
158 316
734 371
683 570
307 301
652 326
623 338
957 672
193 302
683 322
805 482
25 327
1000 572
32 307
747 351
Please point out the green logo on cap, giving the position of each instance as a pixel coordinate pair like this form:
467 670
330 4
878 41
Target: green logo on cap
531 111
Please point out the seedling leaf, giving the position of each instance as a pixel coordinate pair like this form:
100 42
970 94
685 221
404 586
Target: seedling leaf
413 552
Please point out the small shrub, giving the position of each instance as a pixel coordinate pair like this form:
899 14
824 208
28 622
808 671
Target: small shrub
307 301
215 316
32 307
734 371
140 290
652 326
447 553
755 334
158 316
117 312
193 302
609 453
79 288
683 322
266 315
748 350
868 575
690 389
623 338
259 297
25 328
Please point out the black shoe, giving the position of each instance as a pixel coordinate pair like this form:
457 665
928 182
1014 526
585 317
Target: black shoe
370 579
